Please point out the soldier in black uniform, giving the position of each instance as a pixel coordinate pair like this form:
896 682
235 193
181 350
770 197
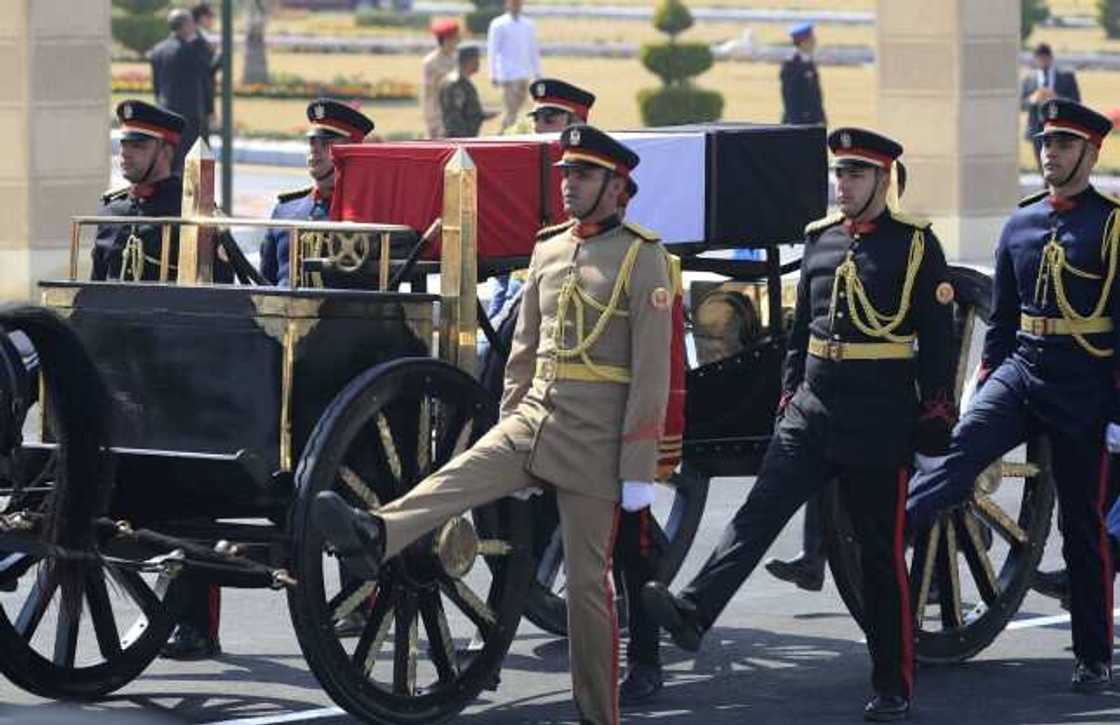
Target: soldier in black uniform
149 137
1050 366
873 282
801 83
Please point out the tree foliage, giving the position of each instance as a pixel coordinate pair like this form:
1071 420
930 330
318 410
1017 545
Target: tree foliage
678 100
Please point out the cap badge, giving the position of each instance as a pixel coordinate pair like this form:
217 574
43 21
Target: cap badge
1052 112
573 137
539 89
944 293
127 111
320 111
846 140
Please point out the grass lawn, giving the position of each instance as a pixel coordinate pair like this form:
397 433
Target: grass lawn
750 90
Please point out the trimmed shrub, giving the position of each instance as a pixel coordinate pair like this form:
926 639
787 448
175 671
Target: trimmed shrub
1032 13
674 61
1108 15
375 17
139 24
478 20
677 100
672 17
678 104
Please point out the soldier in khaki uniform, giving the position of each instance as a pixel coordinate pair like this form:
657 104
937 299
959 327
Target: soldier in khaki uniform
583 409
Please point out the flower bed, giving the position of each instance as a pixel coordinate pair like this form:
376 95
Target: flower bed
283 86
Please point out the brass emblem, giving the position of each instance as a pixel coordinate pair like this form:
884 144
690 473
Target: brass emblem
573 137
127 111
320 111
846 140
349 251
661 299
1052 111
944 293
539 90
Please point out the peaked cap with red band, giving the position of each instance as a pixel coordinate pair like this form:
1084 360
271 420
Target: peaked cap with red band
333 119
142 121
1060 116
852 146
550 93
584 145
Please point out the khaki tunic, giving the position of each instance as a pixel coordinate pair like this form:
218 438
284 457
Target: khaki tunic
571 427
436 66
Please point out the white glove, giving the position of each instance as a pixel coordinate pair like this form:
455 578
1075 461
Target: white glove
1112 438
524 494
637 495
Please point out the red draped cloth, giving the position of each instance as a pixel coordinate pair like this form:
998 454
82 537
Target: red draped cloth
402 183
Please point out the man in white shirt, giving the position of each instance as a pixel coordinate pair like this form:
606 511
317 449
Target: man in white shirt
514 57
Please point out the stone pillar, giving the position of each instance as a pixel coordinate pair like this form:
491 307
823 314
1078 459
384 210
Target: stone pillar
54 122
948 90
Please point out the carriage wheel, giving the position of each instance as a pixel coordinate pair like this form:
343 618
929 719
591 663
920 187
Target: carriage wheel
971 569
676 511
437 625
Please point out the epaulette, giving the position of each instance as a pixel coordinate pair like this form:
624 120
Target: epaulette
114 194
822 224
552 231
293 195
1110 198
912 221
1033 198
647 235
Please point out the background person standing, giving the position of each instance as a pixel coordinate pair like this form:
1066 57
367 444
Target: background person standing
459 103
801 83
1046 81
515 59
437 65
181 79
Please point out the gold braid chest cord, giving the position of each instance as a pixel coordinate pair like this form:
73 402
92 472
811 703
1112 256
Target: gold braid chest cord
862 313
1054 263
572 299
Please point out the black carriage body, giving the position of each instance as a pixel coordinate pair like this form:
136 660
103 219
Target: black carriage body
216 389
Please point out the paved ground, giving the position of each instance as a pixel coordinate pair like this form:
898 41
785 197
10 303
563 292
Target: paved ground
777 656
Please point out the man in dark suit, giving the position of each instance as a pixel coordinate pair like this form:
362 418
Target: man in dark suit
801 84
181 78
203 16
1046 81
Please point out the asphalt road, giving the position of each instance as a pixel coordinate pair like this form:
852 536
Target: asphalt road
777 656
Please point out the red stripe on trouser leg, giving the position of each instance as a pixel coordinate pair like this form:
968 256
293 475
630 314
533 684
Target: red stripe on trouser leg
643 532
214 610
906 627
608 579
1104 544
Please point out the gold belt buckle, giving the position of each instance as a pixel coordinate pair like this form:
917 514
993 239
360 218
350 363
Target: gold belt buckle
835 350
548 369
1040 326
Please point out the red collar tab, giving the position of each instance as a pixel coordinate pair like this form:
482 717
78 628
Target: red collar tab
317 195
853 227
1061 203
143 191
589 230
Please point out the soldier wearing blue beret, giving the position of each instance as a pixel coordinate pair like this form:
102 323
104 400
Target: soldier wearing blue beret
1049 367
802 101
331 122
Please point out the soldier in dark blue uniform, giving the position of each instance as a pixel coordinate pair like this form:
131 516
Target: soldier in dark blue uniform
1049 366
331 122
149 137
873 282
801 83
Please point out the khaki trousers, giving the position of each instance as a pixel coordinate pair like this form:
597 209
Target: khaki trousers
494 467
514 95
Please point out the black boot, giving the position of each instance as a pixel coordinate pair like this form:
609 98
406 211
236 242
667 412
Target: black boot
641 684
358 537
807 570
884 708
674 614
1054 584
191 643
1090 677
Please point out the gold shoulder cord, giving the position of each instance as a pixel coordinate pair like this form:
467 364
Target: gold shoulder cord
573 298
1054 262
132 258
874 323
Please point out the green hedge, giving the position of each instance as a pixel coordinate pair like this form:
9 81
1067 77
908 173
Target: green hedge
142 7
684 103
478 21
138 33
1108 15
674 62
374 17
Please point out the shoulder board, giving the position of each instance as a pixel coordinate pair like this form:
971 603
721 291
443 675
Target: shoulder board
114 194
1033 198
555 229
647 235
909 220
1110 198
293 195
822 224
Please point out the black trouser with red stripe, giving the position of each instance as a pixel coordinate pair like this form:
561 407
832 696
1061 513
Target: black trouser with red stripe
638 551
795 469
202 607
1014 404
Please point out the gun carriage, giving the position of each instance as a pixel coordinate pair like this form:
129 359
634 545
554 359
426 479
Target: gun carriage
181 430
